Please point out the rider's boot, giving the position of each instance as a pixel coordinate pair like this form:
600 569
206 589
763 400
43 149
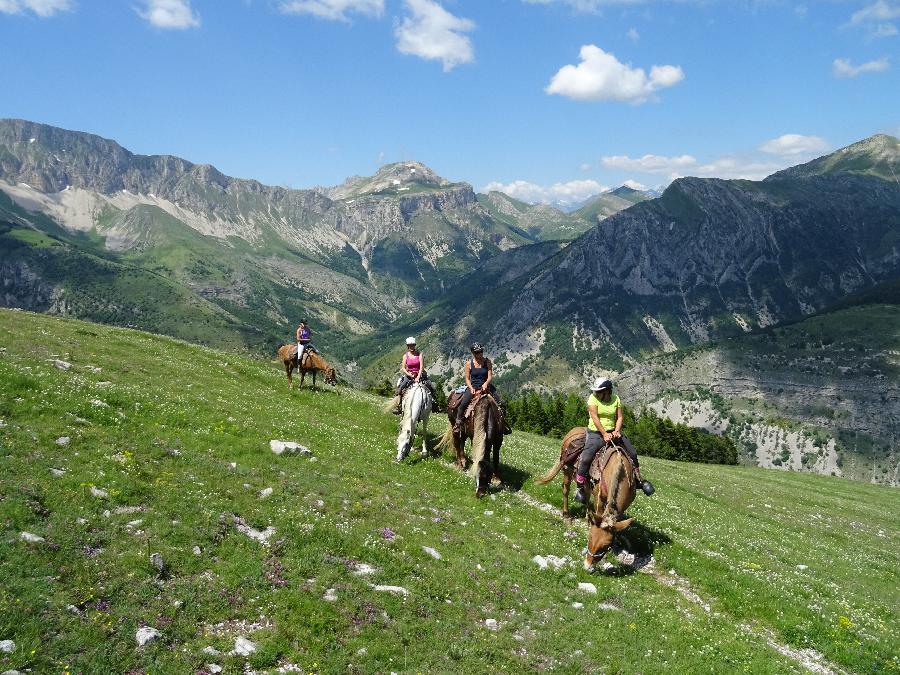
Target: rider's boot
645 485
581 492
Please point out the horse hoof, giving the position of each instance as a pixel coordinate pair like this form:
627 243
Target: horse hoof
479 493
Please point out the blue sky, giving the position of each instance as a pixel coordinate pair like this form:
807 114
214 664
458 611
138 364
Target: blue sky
548 99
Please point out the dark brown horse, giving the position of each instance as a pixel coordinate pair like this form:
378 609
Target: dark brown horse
485 427
612 495
312 363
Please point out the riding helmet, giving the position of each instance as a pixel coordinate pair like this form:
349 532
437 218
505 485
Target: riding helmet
410 340
601 383
476 347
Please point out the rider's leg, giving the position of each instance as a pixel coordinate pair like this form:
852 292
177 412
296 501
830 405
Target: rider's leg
299 353
461 409
593 441
645 485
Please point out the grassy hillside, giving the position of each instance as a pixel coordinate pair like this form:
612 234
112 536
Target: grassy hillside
148 445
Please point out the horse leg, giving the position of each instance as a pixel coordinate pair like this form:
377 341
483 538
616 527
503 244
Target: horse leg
302 377
315 372
567 482
425 436
289 369
496 458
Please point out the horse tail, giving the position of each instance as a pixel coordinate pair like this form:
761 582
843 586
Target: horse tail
446 440
550 475
392 405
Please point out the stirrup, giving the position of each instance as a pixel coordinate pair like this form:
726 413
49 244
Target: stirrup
580 495
647 487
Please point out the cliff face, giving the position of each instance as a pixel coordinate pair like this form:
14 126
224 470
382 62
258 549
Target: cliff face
710 259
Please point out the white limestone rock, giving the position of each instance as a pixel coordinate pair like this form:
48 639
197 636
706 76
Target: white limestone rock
146 634
31 538
288 447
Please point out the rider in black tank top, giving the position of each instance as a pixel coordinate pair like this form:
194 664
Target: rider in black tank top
476 378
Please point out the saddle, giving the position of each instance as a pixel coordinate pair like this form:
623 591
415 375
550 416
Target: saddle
573 452
308 349
453 404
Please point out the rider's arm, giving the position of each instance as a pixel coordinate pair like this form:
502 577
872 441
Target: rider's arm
490 375
592 409
619 419
468 378
421 367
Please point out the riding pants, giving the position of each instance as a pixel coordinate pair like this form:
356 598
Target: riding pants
593 442
405 381
300 347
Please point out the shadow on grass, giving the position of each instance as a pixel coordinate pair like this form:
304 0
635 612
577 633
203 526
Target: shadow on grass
634 549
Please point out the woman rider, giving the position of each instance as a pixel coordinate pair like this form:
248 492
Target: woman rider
412 365
479 372
605 426
304 337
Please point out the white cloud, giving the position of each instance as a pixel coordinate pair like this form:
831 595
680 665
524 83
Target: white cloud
602 77
585 167
633 34
877 11
658 164
876 19
431 32
795 145
566 194
687 165
844 68
885 30
634 185
335 10
170 14
42 8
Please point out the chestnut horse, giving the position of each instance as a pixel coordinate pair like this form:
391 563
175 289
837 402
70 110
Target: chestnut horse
612 495
485 427
312 362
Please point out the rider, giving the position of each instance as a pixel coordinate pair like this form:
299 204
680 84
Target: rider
304 337
479 372
605 410
412 365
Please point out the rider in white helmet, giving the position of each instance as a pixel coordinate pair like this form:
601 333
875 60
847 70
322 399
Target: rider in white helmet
605 426
412 365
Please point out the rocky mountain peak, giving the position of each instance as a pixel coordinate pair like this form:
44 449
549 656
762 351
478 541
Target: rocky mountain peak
878 155
398 177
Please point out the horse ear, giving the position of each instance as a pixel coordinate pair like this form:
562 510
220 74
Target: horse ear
622 524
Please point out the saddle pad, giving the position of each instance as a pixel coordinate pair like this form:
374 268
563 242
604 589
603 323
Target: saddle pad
571 454
602 459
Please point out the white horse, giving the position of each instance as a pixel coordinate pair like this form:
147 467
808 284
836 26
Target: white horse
416 408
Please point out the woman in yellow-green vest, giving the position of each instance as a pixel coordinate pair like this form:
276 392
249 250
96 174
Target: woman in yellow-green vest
605 426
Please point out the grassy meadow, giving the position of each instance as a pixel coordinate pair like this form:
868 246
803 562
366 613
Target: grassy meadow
117 445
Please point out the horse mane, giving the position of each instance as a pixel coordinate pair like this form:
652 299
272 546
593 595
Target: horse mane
611 508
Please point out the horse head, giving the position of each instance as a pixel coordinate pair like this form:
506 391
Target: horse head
604 517
330 376
601 537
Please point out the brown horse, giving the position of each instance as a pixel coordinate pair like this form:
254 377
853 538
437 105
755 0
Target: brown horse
484 426
612 495
312 362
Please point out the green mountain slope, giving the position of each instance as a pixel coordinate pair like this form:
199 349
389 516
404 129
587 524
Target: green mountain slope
170 451
537 221
876 156
608 204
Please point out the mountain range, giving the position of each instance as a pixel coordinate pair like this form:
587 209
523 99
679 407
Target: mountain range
92 230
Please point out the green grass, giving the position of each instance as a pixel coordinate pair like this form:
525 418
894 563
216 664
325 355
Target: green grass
160 424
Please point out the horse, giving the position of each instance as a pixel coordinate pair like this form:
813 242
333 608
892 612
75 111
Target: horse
612 495
416 408
312 362
485 427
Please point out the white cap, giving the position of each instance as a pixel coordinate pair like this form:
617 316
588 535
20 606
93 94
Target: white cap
601 383
410 340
